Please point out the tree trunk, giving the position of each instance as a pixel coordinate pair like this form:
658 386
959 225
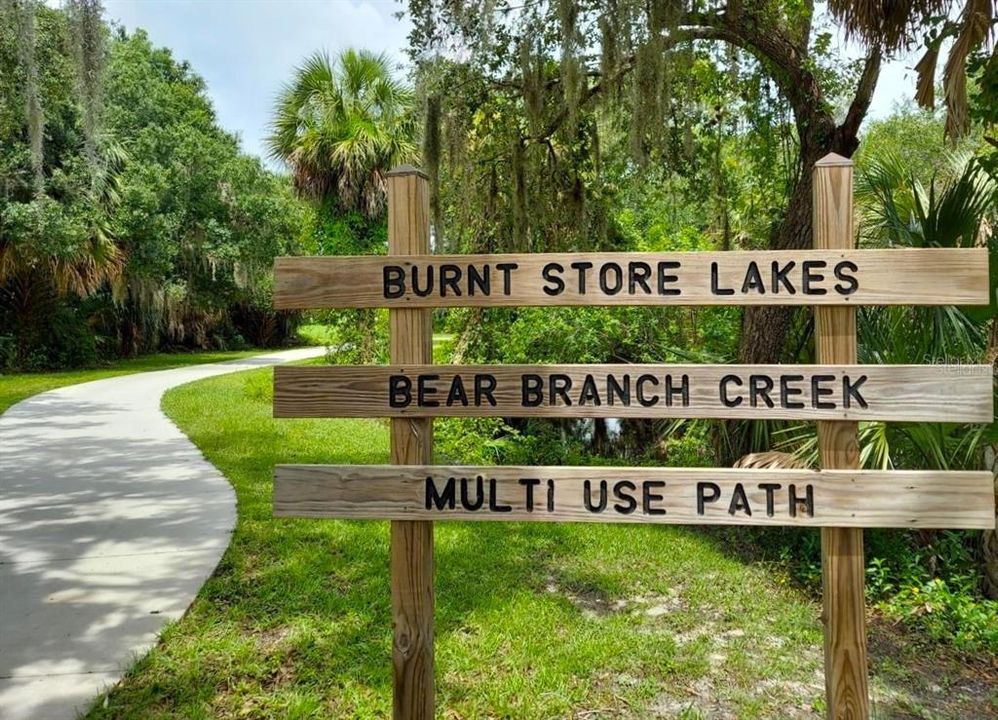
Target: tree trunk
989 538
601 437
765 327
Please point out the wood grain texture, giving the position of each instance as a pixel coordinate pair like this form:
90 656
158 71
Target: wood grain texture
842 560
898 276
411 339
840 498
891 392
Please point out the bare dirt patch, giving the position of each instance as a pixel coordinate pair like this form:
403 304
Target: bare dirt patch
916 679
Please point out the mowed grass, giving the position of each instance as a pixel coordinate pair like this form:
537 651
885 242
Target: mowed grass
532 620
316 334
15 387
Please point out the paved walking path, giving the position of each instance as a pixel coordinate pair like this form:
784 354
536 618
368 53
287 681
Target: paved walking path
110 521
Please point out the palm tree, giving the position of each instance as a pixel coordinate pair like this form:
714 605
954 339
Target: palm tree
955 210
52 249
899 24
341 126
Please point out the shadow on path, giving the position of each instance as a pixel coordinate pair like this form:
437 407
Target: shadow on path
110 521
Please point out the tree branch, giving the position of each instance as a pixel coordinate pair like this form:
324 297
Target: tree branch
769 46
592 91
860 104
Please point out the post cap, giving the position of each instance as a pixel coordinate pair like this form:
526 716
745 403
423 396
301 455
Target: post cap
833 160
403 170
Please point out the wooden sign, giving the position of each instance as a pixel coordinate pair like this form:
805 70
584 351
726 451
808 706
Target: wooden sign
929 276
696 496
840 498
816 392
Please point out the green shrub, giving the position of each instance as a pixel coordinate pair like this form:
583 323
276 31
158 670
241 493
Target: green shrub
474 441
316 333
948 612
931 584
59 338
492 441
692 448
361 337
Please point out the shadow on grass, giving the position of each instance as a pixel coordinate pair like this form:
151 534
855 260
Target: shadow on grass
304 606
326 585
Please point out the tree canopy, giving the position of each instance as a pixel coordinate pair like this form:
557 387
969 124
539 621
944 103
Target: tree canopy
665 125
129 220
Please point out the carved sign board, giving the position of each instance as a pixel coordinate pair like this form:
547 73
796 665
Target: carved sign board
923 276
809 392
697 496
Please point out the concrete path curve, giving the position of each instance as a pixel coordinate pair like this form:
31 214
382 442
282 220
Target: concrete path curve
110 521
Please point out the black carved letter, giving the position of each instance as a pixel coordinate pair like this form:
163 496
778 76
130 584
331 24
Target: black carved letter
439 500
399 391
394 282
703 497
552 274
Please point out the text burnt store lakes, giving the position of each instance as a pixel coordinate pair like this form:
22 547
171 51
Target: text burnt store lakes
635 277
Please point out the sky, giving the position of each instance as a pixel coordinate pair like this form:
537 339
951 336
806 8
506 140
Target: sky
246 49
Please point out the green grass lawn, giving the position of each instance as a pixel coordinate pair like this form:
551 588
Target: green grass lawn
532 621
15 387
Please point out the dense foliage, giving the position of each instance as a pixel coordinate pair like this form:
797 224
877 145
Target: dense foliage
129 220
634 126
685 126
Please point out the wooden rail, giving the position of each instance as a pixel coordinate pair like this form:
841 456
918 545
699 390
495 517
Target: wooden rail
896 276
939 393
694 496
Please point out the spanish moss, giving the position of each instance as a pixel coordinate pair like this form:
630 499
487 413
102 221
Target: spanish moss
571 70
519 195
87 32
34 116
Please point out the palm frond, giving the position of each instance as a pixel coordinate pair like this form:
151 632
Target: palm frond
340 126
887 22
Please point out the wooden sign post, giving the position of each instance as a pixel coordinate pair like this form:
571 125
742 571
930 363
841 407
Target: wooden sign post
843 567
836 393
411 342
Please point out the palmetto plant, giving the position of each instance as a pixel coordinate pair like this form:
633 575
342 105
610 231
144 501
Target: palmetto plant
897 210
341 125
899 24
50 249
